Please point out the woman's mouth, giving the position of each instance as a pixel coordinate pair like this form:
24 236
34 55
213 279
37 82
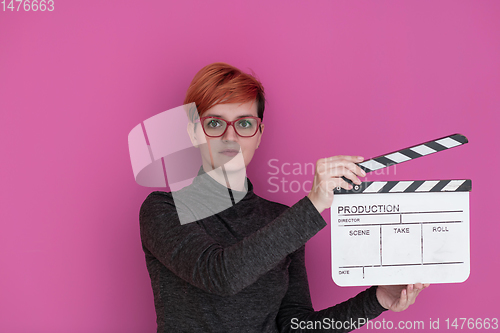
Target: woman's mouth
230 152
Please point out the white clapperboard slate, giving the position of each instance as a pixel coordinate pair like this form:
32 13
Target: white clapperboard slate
402 232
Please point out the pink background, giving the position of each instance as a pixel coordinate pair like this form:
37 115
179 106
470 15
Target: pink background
341 77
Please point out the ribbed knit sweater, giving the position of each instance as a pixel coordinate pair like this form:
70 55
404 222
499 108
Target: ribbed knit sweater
238 270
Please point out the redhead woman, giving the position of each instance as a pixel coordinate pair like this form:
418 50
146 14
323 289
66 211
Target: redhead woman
240 267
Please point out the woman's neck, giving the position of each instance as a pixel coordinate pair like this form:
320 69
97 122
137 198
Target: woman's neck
235 180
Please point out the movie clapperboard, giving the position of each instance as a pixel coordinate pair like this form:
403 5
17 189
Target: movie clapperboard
402 232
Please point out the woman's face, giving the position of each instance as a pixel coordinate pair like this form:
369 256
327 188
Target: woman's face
231 150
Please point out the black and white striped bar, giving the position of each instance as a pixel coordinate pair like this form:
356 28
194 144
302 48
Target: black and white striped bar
414 152
409 186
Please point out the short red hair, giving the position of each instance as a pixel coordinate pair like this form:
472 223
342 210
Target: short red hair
221 83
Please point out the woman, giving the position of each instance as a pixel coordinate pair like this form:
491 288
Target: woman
241 267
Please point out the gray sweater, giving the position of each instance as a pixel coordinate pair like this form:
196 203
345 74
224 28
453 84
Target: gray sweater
238 270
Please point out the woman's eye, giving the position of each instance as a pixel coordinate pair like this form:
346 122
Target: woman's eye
213 123
245 124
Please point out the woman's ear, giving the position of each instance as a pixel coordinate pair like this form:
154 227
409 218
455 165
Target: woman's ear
196 138
192 134
259 133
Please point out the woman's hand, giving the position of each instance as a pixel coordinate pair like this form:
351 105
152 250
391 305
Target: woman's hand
399 298
328 176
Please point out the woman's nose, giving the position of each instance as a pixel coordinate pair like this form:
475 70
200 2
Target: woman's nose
230 134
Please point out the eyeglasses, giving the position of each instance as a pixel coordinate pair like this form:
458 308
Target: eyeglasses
215 127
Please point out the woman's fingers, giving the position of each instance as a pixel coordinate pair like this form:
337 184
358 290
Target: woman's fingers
348 162
399 297
342 169
412 292
403 301
333 183
329 174
354 159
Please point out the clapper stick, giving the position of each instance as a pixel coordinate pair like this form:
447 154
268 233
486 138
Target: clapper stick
406 154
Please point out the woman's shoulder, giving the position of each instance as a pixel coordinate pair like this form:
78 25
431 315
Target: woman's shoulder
185 205
164 199
162 206
167 197
156 200
158 197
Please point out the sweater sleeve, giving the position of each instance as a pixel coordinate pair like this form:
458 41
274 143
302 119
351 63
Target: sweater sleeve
193 255
296 308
